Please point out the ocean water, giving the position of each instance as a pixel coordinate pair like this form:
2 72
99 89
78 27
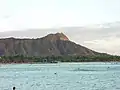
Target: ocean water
61 76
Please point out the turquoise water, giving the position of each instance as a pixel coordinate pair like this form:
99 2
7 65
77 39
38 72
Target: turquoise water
61 76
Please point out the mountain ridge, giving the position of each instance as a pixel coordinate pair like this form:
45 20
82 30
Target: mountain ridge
57 44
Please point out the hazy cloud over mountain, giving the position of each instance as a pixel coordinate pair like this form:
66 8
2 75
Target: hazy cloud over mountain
104 39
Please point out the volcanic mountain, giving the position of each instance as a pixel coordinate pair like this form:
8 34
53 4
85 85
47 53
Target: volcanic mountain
53 44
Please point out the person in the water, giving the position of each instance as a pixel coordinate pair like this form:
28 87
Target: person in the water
55 73
13 88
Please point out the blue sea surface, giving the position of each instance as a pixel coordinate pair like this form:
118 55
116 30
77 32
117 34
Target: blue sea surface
60 76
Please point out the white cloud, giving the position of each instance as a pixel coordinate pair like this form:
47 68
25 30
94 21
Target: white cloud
109 45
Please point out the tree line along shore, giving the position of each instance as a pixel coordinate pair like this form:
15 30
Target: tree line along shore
56 59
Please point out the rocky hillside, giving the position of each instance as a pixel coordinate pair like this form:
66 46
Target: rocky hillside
53 44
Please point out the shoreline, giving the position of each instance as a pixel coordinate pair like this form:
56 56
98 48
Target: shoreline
115 62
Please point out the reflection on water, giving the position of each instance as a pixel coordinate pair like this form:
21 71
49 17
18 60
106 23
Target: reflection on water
64 76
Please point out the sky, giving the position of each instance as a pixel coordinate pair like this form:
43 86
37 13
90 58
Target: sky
24 14
50 15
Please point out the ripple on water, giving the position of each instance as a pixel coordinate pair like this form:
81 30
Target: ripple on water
61 77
